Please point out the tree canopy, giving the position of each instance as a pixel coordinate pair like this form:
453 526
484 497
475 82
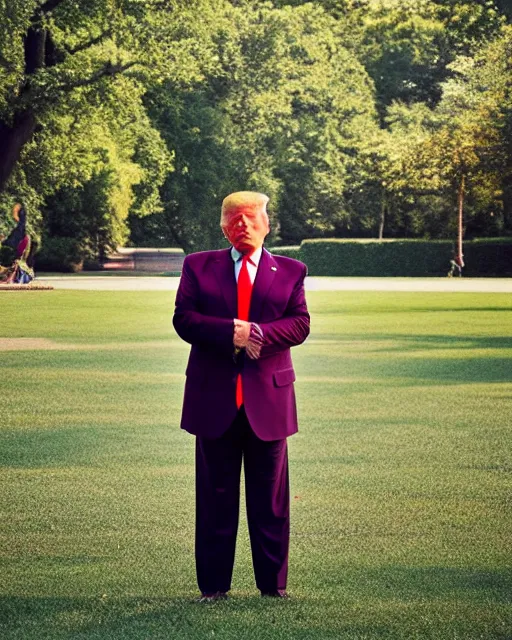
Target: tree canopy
130 120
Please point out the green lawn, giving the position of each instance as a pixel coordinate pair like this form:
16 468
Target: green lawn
400 474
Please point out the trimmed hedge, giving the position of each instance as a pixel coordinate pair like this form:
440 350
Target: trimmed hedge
489 257
289 252
426 258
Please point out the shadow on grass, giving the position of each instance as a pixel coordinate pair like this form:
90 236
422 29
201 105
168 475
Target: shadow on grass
250 618
397 371
61 617
420 583
441 359
143 359
350 604
397 342
443 371
414 343
97 446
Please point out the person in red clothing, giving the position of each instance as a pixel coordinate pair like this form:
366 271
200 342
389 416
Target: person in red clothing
22 269
241 309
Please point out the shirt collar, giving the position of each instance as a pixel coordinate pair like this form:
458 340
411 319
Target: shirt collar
255 257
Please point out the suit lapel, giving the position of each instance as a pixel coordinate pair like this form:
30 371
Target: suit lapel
265 277
225 272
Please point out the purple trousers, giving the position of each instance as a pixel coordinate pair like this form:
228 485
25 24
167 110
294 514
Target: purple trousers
218 466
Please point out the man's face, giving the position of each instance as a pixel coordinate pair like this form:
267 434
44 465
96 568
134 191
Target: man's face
246 227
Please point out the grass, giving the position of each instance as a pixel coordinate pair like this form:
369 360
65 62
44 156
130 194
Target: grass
400 473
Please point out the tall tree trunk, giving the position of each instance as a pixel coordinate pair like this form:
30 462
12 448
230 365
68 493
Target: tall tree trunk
383 206
15 136
460 197
13 140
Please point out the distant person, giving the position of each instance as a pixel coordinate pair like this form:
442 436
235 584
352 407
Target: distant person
22 269
456 265
241 309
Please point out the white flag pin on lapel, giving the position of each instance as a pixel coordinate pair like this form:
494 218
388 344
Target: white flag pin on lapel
274 268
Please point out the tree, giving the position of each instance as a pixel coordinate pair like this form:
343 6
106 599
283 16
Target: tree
206 168
50 49
97 167
468 24
72 119
455 158
407 46
283 112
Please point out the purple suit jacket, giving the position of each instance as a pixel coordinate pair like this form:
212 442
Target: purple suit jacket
206 304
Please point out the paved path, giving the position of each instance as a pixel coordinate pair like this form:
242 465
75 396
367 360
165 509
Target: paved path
152 283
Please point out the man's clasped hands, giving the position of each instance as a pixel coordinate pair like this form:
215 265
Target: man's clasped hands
248 336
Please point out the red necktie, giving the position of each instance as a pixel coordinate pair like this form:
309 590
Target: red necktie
244 289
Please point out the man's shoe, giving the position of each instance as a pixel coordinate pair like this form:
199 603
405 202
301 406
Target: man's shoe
276 593
213 597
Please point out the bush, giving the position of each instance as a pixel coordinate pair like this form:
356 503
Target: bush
60 254
289 252
426 258
7 255
488 256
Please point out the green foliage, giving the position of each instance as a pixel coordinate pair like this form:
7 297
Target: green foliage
32 201
7 256
206 169
488 256
283 112
86 42
407 46
60 253
79 70
374 258
289 252
342 257
95 166
92 215
424 155
400 47
332 115
358 118
469 23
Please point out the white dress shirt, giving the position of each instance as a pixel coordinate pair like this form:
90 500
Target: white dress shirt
252 263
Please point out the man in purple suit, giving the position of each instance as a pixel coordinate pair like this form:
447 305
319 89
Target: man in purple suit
241 309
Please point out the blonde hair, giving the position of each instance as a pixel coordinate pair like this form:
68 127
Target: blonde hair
238 199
